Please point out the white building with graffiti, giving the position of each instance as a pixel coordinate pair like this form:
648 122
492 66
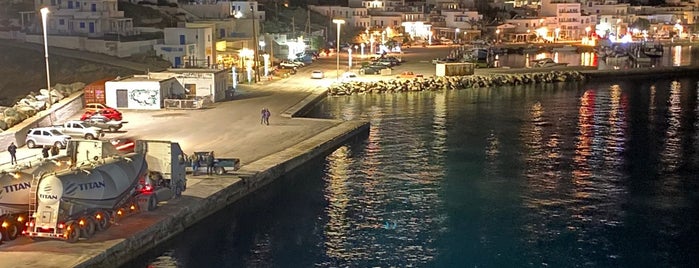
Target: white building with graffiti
142 92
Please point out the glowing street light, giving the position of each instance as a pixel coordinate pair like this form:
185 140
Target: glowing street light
44 14
337 68
497 35
362 46
557 31
349 65
371 44
456 34
266 57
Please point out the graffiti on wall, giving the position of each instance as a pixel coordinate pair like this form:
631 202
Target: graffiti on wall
145 97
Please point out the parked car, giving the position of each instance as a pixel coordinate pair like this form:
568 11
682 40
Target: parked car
46 136
106 114
369 70
221 165
104 123
409 74
349 76
317 74
80 129
288 65
94 107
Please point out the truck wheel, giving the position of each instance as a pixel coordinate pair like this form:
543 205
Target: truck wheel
89 136
102 220
72 233
220 171
87 227
10 232
31 144
152 202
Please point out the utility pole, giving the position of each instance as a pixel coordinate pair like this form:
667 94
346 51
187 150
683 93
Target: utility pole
308 27
255 44
293 26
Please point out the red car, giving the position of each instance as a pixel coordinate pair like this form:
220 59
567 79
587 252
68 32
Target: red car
108 114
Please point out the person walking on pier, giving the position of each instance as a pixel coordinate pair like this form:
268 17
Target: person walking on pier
45 151
13 153
54 150
266 116
195 163
263 113
210 163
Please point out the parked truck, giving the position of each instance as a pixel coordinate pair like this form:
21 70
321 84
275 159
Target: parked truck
80 129
15 193
221 165
98 191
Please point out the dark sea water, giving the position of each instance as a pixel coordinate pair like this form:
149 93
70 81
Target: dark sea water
566 175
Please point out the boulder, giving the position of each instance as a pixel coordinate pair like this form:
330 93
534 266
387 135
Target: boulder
11 121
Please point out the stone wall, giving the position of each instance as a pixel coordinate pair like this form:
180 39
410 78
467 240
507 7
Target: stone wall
58 113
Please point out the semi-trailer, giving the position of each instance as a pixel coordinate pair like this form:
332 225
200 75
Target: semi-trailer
89 197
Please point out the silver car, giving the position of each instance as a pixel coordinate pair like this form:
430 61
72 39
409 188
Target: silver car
46 136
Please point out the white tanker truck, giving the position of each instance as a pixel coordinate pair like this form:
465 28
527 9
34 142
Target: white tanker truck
77 202
15 194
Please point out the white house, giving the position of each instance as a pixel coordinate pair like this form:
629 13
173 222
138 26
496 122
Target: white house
92 18
224 9
199 83
187 47
141 92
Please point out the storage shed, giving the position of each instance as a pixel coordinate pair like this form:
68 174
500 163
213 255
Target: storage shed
142 92
94 92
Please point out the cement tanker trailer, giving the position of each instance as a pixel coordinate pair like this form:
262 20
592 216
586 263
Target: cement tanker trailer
76 203
15 194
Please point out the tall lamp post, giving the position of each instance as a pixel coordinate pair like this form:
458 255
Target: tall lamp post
337 68
558 31
497 36
362 46
349 65
44 14
456 34
254 35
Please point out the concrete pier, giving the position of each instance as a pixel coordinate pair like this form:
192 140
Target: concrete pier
231 129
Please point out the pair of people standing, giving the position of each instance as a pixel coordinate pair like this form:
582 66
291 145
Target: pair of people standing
265 116
209 160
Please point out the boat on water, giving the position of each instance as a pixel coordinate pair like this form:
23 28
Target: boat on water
652 50
547 63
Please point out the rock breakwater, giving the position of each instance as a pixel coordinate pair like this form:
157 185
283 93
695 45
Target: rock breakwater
453 82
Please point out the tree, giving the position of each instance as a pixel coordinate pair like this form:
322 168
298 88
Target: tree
474 23
641 24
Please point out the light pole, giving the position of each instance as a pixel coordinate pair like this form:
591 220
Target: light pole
371 43
456 34
44 14
362 46
337 68
558 31
266 57
254 41
497 36
349 65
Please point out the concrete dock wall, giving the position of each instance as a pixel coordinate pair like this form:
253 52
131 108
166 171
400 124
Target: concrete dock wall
209 196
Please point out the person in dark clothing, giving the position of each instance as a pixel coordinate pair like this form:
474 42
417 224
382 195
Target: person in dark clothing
210 163
54 150
266 116
13 153
263 113
45 151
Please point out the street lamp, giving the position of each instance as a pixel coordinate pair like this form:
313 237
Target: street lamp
262 45
558 31
266 57
497 35
349 65
456 34
362 46
44 14
338 22
371 43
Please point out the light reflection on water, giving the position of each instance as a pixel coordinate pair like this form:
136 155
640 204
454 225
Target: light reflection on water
568 175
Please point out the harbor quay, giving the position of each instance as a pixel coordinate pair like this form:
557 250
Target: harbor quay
230 129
